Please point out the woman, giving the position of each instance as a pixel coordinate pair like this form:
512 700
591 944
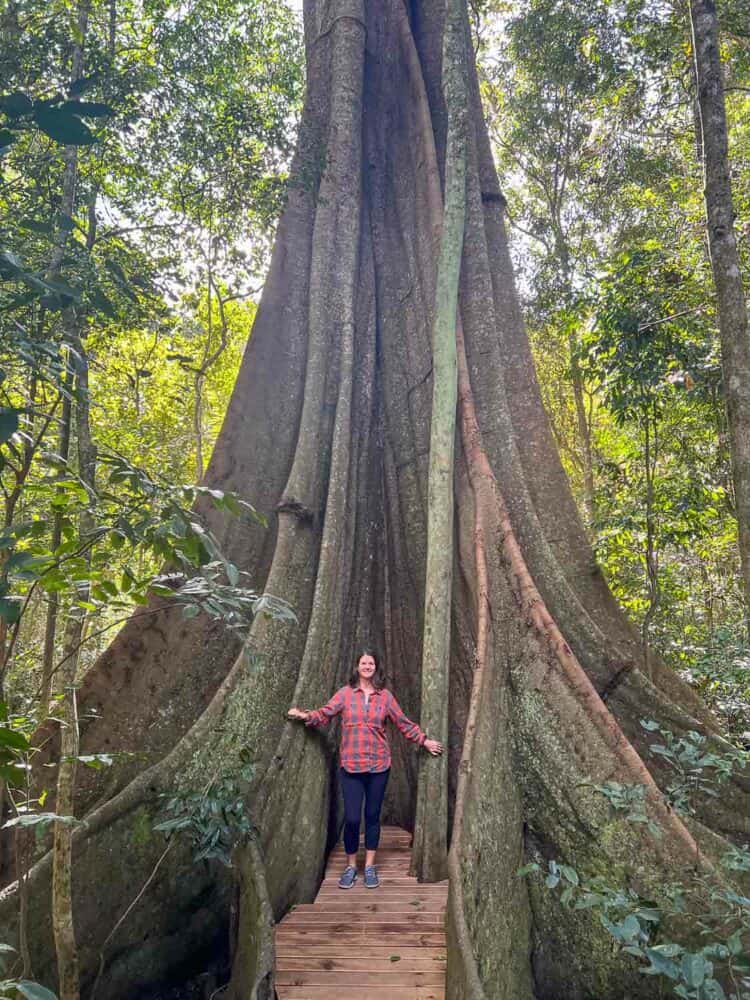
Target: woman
364 703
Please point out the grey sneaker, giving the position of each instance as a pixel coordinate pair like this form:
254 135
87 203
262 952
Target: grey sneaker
349 877
371 877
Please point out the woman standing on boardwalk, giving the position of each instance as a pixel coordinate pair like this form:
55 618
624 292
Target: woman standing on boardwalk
365 703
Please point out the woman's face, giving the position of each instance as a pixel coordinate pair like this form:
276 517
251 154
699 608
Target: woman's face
366 667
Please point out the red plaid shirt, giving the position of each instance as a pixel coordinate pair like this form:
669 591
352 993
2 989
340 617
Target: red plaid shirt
364 744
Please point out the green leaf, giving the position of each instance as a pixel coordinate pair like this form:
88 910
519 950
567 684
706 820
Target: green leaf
661 966
8 422
191 611
90 109
102 303
695 969
734 943
570 874
37 226
34 819
82 84
21 562
33 991
527 869
16 104
63 127
11 264
13 739
13 776
97 761
10 609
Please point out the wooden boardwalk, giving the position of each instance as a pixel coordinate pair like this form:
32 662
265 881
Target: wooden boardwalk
366 944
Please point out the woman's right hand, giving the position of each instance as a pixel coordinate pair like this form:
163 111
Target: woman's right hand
297 713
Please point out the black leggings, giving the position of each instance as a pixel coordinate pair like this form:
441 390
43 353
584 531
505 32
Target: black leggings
369 785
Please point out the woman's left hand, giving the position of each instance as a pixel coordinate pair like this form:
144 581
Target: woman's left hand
433 747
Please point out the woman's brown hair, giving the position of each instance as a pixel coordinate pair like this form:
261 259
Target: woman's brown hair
378 678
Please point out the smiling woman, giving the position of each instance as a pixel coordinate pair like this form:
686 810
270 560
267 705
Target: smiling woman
365 705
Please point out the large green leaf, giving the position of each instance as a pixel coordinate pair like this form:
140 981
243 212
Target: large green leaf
13 739
10 609
37 226
88 109
35 819
8 422
82 84
695 969
33 991
63 127
16 104
11 264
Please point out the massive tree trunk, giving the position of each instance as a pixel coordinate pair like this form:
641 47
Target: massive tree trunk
328 430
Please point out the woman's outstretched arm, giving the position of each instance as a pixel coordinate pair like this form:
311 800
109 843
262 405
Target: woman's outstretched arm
320 716
410 729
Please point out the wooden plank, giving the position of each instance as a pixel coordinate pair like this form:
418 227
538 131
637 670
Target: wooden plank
371 923
332 893
303 962
397 880
379 924
388 887
300 938
336 951
359 993
407 903
398 977
336 948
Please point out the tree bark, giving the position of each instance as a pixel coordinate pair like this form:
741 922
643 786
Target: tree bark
725 263
328 430
430 849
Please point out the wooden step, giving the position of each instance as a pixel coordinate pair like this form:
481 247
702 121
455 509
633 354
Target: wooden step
336 951
403 903
360 993
346 977
400 961
416 938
